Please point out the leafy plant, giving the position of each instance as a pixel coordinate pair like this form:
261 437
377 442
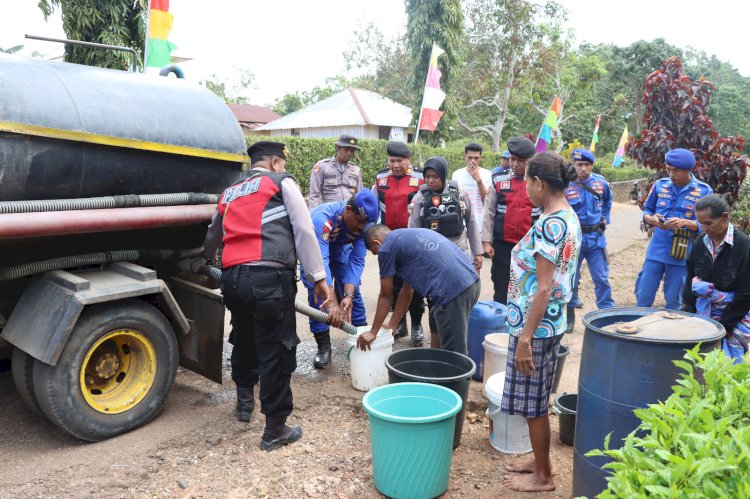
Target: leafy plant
567 153
694 444
675 116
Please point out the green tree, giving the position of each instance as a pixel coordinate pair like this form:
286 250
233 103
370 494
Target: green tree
293 102
501 38
382 62
114 22
12 50
230 89
439 22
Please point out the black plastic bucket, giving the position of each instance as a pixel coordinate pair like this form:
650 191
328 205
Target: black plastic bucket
439 367
564 351
565 407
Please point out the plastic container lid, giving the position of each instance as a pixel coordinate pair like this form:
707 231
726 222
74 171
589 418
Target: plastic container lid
495 387
653 325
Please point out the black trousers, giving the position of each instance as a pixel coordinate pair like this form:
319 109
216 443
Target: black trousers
416 307
264 332
500 271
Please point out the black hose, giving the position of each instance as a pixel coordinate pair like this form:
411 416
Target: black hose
65 262
302 308
107 202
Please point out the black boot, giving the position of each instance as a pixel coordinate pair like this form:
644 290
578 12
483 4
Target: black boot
323 358
417 335
401 329
571 319
245 403
277 433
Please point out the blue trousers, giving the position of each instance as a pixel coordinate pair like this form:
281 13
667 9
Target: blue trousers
649 279
359 316
599 270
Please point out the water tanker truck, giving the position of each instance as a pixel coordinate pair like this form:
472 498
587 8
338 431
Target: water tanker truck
108 180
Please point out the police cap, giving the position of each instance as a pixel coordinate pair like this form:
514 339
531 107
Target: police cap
267 148
521 147
583 155
506 154
347 141
398 150
367 205
680 158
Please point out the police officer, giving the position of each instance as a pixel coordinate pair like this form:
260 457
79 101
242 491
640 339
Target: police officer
591 198
336 178
445 208
395 187
508 214
265 227
670 208
339 228
504 163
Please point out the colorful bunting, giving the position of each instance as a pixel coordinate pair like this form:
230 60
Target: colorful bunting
433 98
550 123
595 137
159 25
620 148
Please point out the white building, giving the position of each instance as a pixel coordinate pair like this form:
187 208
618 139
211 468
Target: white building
360 113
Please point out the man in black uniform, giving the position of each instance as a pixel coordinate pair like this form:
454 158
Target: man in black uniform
265 227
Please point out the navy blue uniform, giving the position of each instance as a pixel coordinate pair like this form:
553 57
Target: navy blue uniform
670 201
591 210
343 257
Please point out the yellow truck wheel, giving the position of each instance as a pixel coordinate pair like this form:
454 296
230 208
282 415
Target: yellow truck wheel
113 374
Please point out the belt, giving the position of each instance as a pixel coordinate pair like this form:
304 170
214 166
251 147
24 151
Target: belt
261 267
588 229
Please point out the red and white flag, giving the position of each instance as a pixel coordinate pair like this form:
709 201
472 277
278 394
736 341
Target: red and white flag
433 97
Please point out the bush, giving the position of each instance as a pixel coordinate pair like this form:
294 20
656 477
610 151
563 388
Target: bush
623 174
304 153
694 444
741 209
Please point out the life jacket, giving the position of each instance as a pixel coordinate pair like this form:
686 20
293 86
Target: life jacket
255 222
442 212
395 195
515 213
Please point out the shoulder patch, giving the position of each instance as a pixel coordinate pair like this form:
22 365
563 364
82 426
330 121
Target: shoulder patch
383 181
413 182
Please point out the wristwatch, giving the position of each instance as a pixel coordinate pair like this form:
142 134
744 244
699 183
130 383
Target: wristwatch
349 294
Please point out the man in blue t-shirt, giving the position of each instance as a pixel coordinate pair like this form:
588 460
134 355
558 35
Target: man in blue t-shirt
433 266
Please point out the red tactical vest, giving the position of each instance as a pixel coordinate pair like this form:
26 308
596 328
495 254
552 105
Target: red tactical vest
395 194
515 212
255 222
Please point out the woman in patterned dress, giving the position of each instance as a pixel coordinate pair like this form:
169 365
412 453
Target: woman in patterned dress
542 274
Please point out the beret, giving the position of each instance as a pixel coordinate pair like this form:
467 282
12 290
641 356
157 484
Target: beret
506 154
267 148
680 158
583 155
398 149
367 205
521 147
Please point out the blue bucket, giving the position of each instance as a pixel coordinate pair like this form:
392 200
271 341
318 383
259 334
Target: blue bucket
411 435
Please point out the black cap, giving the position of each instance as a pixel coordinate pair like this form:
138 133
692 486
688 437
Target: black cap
266 148
521 147
398 150
347 141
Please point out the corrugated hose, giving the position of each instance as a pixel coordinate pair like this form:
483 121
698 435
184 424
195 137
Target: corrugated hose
107 202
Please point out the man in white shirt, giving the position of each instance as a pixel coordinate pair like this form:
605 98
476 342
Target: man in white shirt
473 179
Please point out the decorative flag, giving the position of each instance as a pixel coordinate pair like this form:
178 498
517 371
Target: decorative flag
595 137
620 148
433 97
159 26
550 123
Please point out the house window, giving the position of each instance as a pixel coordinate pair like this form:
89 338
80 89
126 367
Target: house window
295 132
384 132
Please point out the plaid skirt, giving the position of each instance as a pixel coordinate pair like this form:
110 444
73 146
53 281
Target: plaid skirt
528 396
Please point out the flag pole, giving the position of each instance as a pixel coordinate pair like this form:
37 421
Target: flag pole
145 44
416 136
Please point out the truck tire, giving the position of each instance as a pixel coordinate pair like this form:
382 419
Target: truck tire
113 374
22 368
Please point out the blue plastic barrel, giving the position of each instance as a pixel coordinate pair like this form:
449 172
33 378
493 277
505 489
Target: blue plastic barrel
622 372
485 318
411 435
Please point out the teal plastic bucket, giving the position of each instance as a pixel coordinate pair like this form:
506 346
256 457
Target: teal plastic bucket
411 435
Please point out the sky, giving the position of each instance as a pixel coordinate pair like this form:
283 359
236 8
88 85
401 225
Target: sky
294 45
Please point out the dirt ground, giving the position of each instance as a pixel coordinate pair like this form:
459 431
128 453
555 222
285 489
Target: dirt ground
195 448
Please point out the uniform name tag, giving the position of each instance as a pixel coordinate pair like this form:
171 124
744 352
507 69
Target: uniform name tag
413 182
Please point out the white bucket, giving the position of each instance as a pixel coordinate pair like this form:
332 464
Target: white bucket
495 355
508 434
368 368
